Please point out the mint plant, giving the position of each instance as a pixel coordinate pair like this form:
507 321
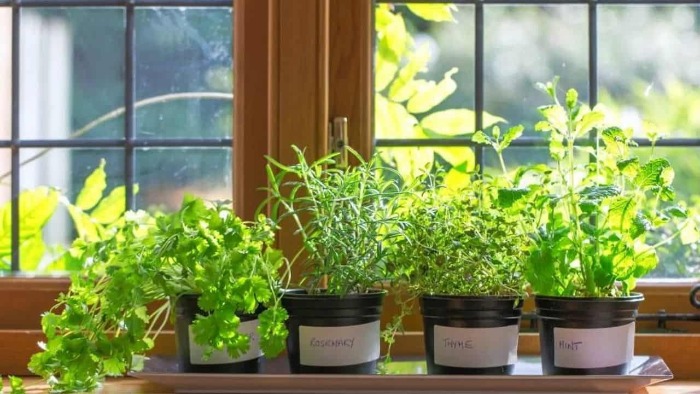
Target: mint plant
344 215
594 218
119 303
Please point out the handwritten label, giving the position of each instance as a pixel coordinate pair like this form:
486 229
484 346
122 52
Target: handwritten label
593 347
475 347
249 328
338 346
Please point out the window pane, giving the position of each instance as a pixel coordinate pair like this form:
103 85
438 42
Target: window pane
5 180
424 80
72 72
65 170
184 50
410 162
165 175
524 45
649 65
5 72
516 156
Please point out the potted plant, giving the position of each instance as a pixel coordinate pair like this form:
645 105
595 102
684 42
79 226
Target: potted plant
215 271
462 254
345 216
590 246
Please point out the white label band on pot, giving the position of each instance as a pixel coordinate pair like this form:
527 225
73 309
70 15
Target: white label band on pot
338 346
463 347
593 347
249 328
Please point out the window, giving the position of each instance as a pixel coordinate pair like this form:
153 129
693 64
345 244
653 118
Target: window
638 58
305 62
145 85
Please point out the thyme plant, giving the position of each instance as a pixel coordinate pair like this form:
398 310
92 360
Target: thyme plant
466 243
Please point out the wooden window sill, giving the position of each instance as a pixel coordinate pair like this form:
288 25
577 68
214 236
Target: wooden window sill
136 386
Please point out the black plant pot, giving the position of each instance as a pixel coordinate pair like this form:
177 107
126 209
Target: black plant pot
587 336
471 335
333 334
189 353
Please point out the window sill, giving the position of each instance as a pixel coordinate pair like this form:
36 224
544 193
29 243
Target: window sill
136 386
27 298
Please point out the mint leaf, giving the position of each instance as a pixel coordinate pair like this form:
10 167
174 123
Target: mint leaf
512 134
508 197
653 173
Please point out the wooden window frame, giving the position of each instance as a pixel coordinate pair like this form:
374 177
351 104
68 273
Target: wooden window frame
298 64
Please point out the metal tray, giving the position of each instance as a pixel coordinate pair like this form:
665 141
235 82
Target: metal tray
405 377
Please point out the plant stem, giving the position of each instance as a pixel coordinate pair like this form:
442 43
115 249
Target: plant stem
503 163
121 110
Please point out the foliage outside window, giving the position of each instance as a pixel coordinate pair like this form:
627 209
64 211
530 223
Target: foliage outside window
75 112
423 87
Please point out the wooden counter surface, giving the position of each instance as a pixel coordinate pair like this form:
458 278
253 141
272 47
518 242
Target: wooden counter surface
135 386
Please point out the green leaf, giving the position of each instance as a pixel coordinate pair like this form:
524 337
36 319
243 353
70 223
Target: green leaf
392 120
404 86
640 225
616 141
434 12
629 167
676 211
114 367
452 122
395 38
16 385
653 173
508 197
588 122
481 138
112 207
36 207
512 134
598 192
86 227
645 260
92 189
428 98
556 117
382 17
689 233
621 212
667 175
31 251
571 98
384 72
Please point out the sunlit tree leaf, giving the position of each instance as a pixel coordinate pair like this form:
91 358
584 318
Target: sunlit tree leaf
451 122
457 156
36 207
404 86
92 190
87 229
428 98
434 12
31 252
384 73
456 179
392 120
111 208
